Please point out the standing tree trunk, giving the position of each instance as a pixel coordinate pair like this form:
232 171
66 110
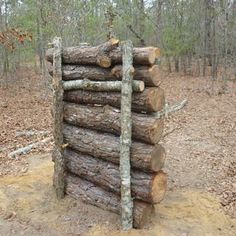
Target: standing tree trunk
140 21
159 22
207 36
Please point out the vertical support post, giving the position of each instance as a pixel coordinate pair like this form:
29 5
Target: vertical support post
125 138
59 166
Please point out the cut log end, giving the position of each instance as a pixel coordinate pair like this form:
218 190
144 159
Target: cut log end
158 157
142 214
114 41
104 61
156 75
159 187
152 56
141 86
156 131
158 52
156 99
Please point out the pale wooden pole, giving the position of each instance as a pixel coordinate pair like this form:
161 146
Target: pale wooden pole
101 86
59 165
125 137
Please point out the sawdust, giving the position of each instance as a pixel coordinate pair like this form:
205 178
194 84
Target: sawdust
30 199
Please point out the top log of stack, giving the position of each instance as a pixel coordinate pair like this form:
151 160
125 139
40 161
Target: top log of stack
105 55
91 138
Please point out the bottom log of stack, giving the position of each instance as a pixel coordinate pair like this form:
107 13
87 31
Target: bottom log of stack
148 187
94 195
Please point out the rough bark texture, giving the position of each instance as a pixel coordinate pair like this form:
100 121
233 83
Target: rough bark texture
107 119
125 136
137 86
149 187
97 55
104 55
141 56
150 100
90 193
106 146
151 76
59 165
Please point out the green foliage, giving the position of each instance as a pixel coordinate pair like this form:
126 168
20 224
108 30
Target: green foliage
176 26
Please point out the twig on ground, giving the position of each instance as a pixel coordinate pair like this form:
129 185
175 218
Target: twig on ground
169 132
167 110
2 149
29 133
28 148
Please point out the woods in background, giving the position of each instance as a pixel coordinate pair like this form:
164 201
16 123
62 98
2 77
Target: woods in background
197 37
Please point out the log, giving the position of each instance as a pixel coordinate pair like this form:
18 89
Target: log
104 55
106 146
107 119
150 100
151 76
97 55
141 56
137 86
148 187
89 193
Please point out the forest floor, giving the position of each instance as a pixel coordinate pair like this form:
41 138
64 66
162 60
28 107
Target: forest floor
201 165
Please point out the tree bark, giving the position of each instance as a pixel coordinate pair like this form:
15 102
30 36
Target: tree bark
151 76
59 166
141 56
105 55
150 100
148 187
99 86
125 136
106 146
90 193
145 128
97 55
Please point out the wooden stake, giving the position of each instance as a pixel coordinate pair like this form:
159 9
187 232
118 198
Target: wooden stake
125 138
59 166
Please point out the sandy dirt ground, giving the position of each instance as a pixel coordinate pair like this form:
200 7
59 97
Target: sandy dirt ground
201 166
29 207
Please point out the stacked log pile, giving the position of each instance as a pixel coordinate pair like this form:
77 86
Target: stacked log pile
91 127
